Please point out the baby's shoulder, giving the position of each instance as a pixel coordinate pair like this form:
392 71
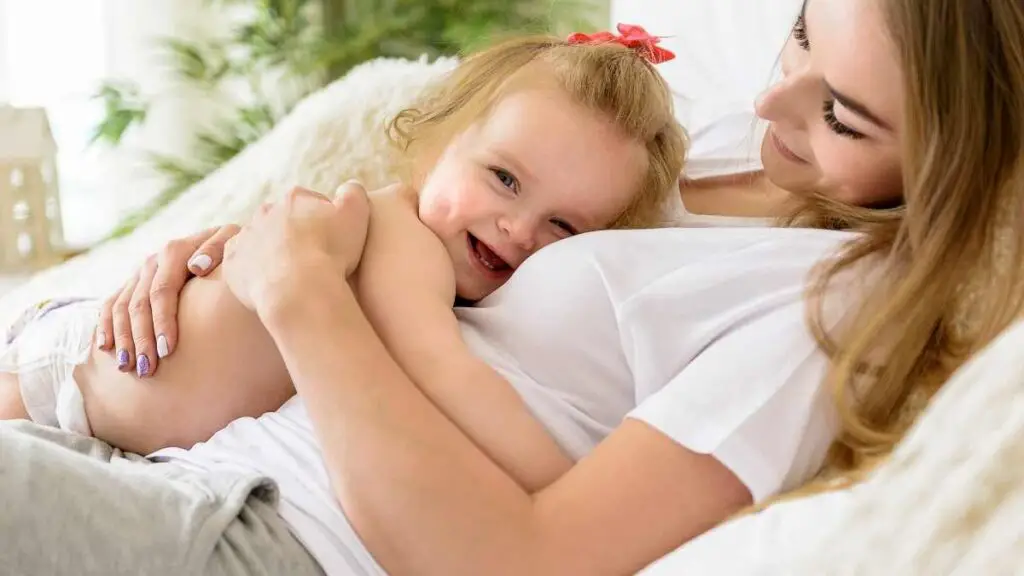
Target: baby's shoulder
396 195
392 208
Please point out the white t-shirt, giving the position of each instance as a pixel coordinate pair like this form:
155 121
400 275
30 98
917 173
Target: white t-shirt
699 332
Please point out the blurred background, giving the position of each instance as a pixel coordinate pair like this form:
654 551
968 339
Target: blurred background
145 97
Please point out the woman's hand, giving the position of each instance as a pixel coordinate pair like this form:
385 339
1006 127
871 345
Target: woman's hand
304 232
140 321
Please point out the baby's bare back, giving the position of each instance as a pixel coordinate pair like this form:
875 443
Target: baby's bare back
225 367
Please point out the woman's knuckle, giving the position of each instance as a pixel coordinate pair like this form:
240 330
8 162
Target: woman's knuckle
159 291
137 305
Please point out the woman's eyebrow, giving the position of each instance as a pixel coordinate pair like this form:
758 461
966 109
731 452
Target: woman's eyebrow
857 108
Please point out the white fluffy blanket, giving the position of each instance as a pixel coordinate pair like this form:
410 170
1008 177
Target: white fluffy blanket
331 136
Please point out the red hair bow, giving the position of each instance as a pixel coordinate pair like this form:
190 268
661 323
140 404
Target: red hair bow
631 36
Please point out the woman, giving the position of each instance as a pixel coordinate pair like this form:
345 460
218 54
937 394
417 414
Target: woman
875 103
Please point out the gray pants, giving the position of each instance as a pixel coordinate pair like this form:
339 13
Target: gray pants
74 505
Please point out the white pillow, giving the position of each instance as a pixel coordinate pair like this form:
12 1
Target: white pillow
726 50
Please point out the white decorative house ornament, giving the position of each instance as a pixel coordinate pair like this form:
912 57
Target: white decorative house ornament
31 233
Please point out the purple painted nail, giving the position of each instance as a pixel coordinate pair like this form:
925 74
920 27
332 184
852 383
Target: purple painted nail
142 366
122 359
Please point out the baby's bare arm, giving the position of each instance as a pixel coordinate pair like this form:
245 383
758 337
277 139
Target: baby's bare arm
11 405
224 367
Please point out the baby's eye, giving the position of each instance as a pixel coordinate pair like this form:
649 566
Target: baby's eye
507 180
565 226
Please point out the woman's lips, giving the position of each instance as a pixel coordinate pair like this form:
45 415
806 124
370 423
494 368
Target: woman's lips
785 150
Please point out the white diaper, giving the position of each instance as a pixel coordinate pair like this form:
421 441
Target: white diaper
43 349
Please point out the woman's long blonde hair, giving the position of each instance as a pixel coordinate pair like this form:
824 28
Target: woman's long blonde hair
607 78
953 253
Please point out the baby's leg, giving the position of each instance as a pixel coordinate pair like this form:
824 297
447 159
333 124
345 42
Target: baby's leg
11 405
224 367
36 364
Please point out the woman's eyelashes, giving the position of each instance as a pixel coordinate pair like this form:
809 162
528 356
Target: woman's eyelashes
829 113
800 33
829 108
506 179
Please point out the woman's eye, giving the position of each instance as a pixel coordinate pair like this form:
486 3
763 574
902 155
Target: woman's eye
829 113
565 226
507 180
800 33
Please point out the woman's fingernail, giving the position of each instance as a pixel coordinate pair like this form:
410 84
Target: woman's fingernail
200 262
122 359
101 338
161 347
142 366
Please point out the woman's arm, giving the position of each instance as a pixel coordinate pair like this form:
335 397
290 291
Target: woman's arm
427 501
415 322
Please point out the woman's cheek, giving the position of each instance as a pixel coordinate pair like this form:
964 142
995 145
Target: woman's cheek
854 173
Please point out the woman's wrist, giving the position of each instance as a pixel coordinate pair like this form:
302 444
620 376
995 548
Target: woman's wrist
308 284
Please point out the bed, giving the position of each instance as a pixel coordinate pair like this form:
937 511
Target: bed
951 499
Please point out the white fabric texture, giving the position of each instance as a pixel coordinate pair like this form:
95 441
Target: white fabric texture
703 329
726 54
588 329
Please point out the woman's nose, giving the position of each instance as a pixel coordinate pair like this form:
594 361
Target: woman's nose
788 100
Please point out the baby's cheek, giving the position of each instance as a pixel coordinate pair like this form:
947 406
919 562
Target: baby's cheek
435 216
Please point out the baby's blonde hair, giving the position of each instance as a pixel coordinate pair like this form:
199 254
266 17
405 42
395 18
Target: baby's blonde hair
607 78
